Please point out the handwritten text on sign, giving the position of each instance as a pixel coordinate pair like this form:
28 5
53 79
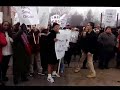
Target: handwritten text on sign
28 15
60 45
110 16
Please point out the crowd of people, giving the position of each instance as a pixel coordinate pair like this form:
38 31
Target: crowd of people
32 48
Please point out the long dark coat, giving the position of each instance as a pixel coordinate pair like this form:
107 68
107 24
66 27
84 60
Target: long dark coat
21 60
52 59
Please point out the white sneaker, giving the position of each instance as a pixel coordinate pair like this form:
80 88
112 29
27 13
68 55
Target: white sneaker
50 79
55 74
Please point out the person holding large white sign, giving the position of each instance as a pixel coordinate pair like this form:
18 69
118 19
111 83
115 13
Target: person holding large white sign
110 17
27 15
52 59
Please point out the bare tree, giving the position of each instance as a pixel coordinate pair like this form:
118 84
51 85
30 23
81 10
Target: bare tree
60 10
89 17
76 19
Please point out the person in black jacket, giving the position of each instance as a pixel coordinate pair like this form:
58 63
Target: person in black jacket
81 45
43 50
52 59
89 50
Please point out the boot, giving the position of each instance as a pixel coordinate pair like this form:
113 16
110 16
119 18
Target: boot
77 70
92 75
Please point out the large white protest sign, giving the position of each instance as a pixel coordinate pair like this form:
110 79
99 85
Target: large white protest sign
43 15
67 33
110 17
1 17
60 45
27 15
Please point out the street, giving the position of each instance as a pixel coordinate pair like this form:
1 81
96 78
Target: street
106 77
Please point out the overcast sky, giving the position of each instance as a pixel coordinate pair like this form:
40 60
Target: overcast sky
96 10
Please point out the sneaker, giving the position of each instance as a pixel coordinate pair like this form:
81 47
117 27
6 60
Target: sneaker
42 74
77 70
55 74
92 75
50 79
31 74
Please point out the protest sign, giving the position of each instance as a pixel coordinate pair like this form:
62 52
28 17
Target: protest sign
27 15
55 18
110 17
60 45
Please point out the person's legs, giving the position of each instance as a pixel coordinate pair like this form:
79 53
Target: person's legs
62 67
118 60
44 62
50 69
69 55
16 71
31 64
5 63
102 58
90 65
107 60
80 63
1 82
84 64
55 70
38 62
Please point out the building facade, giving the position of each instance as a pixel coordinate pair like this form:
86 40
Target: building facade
6 13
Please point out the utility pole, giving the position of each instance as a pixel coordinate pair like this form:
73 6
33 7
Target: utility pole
101 16
117 20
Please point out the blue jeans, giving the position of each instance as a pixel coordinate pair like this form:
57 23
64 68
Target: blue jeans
62 67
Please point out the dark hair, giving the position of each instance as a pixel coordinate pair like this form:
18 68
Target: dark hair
16 26
118 27
107 28
44 30
23 27
92 24
54 24
9 28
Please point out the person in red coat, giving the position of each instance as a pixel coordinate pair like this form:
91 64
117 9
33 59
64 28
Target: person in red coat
3 43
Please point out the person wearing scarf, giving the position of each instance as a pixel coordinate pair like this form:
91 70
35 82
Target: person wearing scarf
21 53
